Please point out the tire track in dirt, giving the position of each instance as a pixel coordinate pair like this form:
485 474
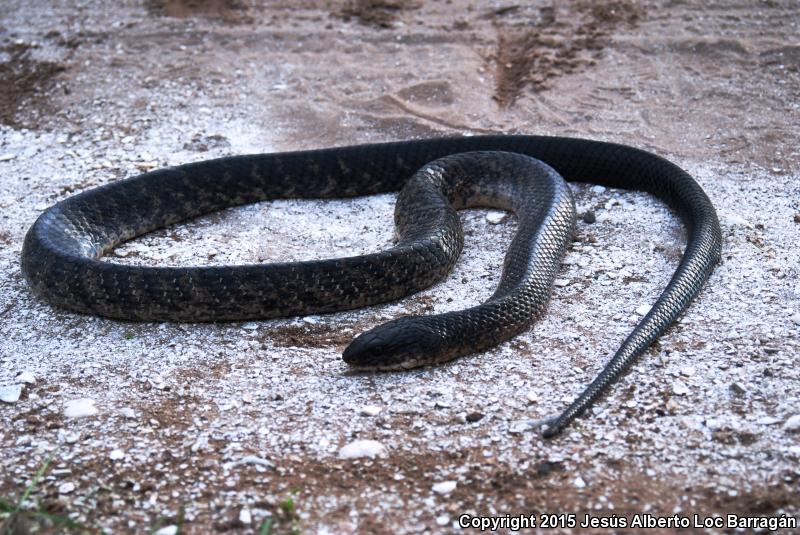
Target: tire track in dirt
537 45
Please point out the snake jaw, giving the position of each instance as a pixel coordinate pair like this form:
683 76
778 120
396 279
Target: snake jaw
401 344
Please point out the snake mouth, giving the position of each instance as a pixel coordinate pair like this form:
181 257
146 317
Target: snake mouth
401 344
398 367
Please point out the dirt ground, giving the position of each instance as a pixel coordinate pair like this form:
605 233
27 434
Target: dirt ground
238 427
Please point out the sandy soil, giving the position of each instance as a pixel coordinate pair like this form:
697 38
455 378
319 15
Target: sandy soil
218 428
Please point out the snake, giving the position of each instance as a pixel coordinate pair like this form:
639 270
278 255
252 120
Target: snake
435 178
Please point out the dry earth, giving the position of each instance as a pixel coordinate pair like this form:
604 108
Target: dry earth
218 428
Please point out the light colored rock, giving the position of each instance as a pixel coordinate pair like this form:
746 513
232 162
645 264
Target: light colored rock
792 424
643 310
495 217
734 220
79 408
530 424
517 427
561 282
127 412
715 423
687 371
25 377
245 516
116 455
167 530
737 388
10 393
253 459
680 389
370 410
768 420
795 318
444 487
66 488
578 482
362 448
443 520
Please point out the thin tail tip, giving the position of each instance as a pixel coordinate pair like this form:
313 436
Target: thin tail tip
552 428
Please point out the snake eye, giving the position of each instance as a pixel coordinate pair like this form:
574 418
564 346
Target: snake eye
397 345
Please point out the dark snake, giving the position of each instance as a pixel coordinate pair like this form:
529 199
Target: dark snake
60 256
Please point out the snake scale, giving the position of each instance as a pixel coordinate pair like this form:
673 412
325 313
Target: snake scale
435 177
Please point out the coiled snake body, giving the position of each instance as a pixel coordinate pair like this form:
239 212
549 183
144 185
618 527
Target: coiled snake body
61 250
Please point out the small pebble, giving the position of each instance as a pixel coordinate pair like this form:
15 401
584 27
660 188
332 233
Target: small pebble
768 420
474 417
443 520
597 189
127 412
643 310
737 388
78 408
589 217
362 448
530 424
116 455
561 282
495 217
795 319
444 487
66 488
370 410
680 389
792 425
7 157
11 393
253 459
167 530
532 397
715 423
245 517
687 371
578 482
25 377
735 220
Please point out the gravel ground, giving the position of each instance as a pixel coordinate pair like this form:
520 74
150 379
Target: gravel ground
223 427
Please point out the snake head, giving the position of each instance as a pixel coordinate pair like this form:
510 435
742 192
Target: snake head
400 344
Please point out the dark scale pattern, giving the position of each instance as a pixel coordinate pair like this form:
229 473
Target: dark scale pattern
61 250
